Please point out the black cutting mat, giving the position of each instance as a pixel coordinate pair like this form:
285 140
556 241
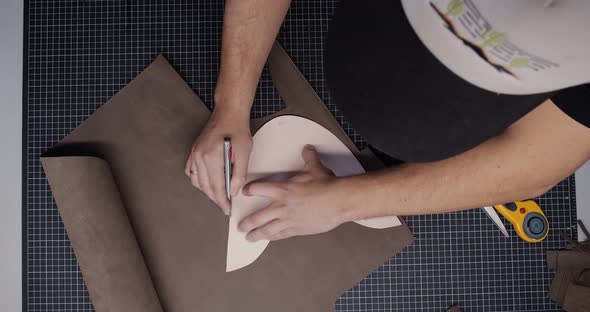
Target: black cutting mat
80 53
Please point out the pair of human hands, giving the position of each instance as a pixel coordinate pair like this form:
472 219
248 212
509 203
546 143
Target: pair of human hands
307 203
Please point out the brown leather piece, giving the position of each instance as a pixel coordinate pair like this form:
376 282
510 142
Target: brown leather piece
584 278
100 234
560 284
455 308
568 259
570 286
577 298
144 133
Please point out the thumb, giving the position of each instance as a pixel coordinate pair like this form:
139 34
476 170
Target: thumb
240 157
311 158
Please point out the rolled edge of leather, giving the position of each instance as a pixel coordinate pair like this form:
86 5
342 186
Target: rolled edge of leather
101 235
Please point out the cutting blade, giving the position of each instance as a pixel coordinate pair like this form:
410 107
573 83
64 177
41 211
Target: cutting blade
492 214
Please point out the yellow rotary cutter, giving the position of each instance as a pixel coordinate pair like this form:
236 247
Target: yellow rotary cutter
529 221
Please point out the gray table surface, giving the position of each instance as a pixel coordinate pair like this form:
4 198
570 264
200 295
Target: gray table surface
11 27
11 39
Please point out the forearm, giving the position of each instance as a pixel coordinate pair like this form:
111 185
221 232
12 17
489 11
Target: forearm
530 157
249 30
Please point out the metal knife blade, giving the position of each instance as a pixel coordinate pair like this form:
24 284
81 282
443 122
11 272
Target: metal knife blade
493 215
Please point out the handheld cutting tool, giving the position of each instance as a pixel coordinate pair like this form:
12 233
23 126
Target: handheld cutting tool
227 166
529 221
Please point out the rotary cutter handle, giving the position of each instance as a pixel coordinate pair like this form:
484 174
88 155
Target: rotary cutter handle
529 221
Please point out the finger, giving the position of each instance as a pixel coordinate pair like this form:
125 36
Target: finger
240 157
267 189
195 180
313 163
188 165
302 177
267 231
217 184
200 177
311 158
192 174
286 233
259 218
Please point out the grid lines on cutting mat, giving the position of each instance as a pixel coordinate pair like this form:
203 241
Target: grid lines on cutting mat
80 53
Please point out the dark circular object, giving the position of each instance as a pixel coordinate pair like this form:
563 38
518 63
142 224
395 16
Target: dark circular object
535 226
399 96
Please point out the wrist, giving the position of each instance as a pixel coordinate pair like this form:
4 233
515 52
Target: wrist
236 102
232 108
346 197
